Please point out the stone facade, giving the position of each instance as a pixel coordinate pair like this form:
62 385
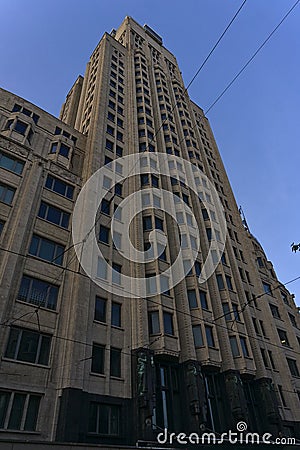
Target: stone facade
82 365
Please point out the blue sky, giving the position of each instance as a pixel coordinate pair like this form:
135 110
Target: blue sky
44 46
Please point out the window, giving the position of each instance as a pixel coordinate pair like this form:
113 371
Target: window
115 362
107 160
64 150
147 223
116 273
120 136
198 338
226 311
283 337
38 292
154 181
23 412
192 298
116 314
282 398
203 299
205 214
144 179
105 206
235 310
293 320
104 419
153 320
104 234
110 116
1 226
220 282
118 189
209 234
20 127
6 194
293 367
119 151
234 346
271 359
284 297
47 250
168 323
209 336
28 345
10 163
100 309
244 346
260 262
275 311
98 358
59 186
267 288
109 145
262 328
197 267
111 104
110 130
159 224
229 282
54 215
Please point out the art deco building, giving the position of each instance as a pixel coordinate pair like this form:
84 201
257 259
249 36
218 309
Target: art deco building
81 364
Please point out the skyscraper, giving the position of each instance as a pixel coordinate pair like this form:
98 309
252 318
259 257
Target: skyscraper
86 360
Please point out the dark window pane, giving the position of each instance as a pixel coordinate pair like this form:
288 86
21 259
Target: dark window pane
44 350
168 323
28 346
192 298
21 127
4 399
12 343
147 223
203 299
104 234
116 314
100 309
98 358
105 206
209 336
64 150
115 362
16 413
154 327
198 338
93 417
32 413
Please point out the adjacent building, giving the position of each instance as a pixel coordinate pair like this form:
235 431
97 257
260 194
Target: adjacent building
79 364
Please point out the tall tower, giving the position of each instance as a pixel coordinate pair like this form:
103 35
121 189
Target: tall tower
113 368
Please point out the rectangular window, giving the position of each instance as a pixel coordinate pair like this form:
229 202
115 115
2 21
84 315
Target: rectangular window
293 367
118 189
1 226
59 186
282 398
29 346
98 358
159 224
10 163
267 288
226 311
192 298
198 338
168 323
203 299
116 314
116 273
209 336
104 234
100 309
153 318
265 358
235 310
283 337
104 419
115 362
105 206
6 193
54 215
271 359
109 145
197 267
274 311
38 292
244 346
20 127
47 250
64 150
234 346
293 320
229 282
23 413
147 223
220 282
